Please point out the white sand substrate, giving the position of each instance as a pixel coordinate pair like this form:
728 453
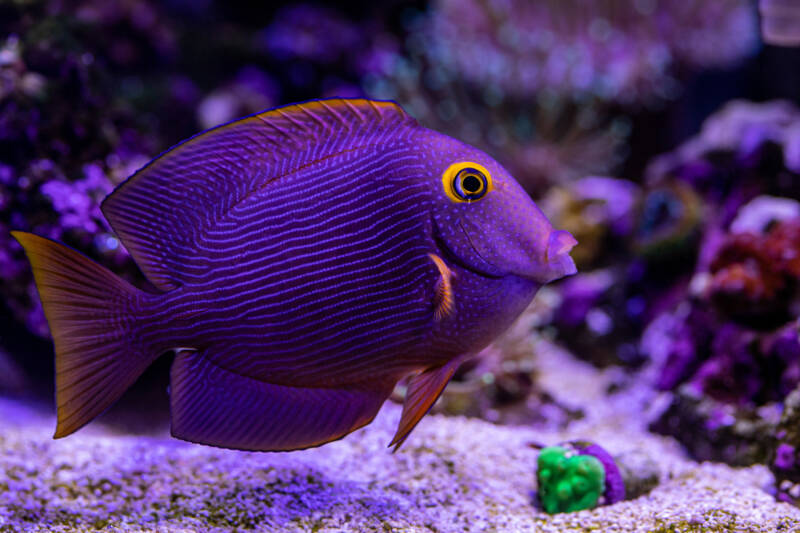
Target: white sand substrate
453 475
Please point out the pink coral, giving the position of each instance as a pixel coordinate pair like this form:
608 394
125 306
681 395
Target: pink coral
755 275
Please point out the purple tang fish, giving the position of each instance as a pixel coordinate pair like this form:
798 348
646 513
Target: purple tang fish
303 260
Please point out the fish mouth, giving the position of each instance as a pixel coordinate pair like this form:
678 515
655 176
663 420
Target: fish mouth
559 262
555 264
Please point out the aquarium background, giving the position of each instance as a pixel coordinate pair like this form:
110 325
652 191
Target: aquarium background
663 134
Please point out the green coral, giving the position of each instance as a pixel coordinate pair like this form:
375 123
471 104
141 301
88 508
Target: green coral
568 482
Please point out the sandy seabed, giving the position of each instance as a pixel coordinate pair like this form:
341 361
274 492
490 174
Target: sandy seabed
453 475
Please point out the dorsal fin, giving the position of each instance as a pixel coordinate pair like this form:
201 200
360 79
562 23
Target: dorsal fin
159 210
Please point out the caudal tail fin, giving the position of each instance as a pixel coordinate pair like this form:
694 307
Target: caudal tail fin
89 312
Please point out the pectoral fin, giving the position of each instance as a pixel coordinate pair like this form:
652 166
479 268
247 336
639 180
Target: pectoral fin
423 391
443 298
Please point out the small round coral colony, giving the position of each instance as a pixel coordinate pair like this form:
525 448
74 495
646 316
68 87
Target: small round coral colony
577 475
568 482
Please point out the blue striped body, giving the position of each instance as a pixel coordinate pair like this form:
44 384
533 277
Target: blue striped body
319 283
303 260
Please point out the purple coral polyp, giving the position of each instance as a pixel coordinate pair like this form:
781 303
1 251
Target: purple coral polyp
614 483
785 456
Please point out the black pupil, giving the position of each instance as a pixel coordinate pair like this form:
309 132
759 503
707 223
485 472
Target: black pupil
471 184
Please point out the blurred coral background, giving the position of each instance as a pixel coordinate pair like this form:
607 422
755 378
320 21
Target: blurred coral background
664 134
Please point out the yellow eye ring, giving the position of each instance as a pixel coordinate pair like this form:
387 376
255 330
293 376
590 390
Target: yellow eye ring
466 181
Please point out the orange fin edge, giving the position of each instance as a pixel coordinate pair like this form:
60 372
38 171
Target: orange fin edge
84 302
443 299
423 391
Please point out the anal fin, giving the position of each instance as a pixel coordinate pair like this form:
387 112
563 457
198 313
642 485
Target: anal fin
212 405
423 391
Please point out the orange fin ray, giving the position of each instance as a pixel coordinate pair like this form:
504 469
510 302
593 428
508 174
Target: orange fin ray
443 298
85 305
423 391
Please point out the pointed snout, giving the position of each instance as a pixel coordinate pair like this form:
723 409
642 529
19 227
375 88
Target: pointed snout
548 259
542 257
558 262
524 245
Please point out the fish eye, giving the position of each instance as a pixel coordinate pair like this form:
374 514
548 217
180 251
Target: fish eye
470 184
466 182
